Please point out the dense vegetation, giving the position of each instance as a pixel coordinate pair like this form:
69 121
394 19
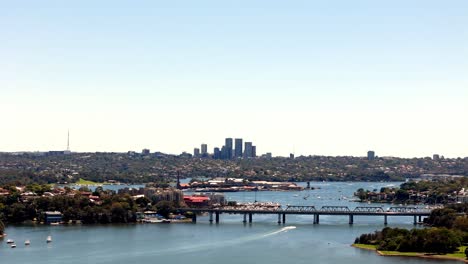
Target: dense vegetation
111 208
427 192
2 228
136 168
448 232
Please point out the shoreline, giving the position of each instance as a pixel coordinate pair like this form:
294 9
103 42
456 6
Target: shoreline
408 254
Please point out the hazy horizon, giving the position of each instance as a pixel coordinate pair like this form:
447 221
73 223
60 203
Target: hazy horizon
314 78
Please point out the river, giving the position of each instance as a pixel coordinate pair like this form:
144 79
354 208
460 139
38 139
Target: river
230 241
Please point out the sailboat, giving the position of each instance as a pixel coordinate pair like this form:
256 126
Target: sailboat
49 239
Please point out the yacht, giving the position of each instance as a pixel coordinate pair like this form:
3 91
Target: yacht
49 239
27 242
10 241
13 245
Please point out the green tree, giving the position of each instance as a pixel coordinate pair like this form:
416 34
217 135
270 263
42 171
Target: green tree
2 228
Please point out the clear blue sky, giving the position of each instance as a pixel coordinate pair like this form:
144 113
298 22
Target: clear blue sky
314 77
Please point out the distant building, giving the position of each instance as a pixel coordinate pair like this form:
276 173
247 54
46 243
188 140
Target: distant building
228 146
204 150
238 148
435 157
52 217
216 153
196 152
254 151
269 155
370 155
248 150
291 156
145 152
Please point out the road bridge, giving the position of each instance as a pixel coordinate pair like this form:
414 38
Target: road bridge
417 212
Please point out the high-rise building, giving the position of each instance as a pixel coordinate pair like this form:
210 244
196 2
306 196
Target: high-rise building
228 146
216 153
145 152
435 157
291 155
204 150
196 152
370 155
247 149
254 151
238 148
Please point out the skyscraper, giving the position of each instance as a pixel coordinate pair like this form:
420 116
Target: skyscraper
248 150
204 150
254 151
238 149
216 153
196 152
228 146
370 155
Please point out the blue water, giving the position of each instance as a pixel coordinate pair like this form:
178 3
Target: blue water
230 241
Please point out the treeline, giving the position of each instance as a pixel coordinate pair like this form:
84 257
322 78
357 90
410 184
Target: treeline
427 192
449 230
111 207
431 240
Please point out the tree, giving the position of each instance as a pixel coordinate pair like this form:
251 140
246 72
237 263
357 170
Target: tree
2 228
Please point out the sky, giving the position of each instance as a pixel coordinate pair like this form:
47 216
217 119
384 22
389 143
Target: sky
334 77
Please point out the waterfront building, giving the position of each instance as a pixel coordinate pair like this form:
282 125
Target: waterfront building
370 155
248 150
238 148
52 217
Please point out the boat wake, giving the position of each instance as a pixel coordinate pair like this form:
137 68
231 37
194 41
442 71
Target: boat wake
218 244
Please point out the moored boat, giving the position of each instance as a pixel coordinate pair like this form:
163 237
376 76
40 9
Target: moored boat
49 239
27 242
10 241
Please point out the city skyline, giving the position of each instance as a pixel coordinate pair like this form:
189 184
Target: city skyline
310 78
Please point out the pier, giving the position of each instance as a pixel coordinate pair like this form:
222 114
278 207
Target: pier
416 212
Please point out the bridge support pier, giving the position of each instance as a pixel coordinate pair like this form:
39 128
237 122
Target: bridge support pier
250 217
284 218
211 217
279 218
414 222
351 219
316 218
245 218
420 219
217 217
385 220
194 218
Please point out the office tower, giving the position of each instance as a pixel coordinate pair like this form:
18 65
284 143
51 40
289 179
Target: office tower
435 157
228 146
216 153
254 151
291 156
196 152
238 149
204 150
145 152
248 150
370 155
269 155
224 154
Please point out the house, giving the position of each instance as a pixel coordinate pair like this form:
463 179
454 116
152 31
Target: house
52 217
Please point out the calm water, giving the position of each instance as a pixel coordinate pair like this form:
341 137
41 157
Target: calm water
231 241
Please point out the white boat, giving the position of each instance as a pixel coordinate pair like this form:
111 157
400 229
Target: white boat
49 239
27 242
13 245
10 241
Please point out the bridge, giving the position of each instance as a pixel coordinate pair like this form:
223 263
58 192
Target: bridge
416 212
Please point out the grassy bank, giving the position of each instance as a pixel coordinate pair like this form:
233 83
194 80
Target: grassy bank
459 255
86 182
